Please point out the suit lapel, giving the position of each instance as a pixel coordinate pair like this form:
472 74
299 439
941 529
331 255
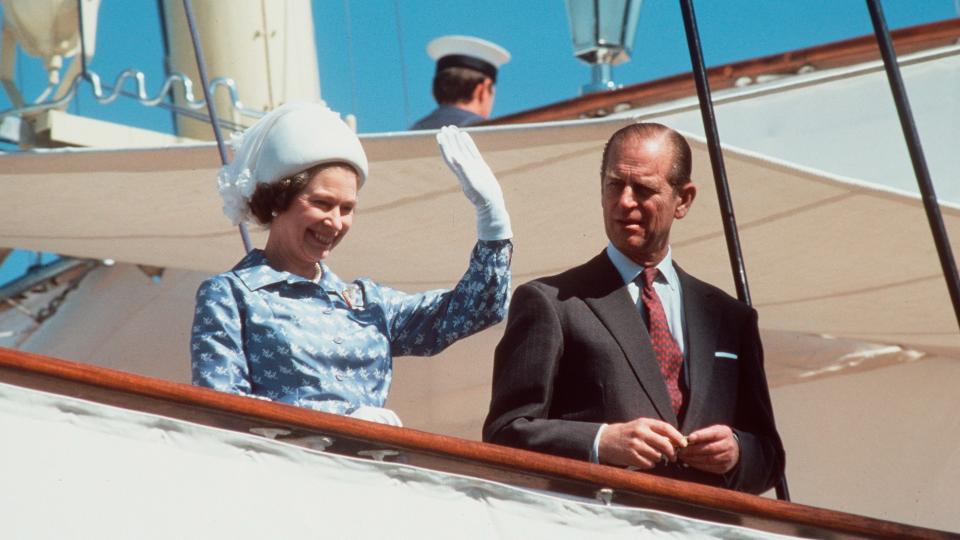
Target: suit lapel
612 304
701 326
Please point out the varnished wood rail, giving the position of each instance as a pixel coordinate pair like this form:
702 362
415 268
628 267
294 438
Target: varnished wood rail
448 454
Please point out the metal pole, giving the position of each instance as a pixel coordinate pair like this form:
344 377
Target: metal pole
211 106
716 156
83 42
929 197
719 172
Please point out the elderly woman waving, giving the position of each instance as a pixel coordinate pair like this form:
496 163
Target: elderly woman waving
280 324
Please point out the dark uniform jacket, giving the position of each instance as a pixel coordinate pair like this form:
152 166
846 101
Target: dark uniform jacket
447 115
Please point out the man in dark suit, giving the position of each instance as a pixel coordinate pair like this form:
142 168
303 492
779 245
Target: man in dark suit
628 360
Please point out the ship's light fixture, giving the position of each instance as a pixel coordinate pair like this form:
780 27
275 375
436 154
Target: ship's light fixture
602 33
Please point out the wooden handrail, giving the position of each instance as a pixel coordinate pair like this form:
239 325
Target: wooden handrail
840 53
519 467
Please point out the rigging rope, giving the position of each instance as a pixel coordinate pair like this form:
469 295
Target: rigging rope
211 106
83 41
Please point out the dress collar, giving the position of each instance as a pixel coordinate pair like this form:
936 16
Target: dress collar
255 272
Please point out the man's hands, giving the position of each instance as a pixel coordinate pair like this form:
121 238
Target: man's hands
646 442
713 449
640 443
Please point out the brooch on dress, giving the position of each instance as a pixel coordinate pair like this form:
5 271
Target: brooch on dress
353 296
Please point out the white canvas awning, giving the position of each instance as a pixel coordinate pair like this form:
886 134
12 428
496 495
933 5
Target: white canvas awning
843 120
824 255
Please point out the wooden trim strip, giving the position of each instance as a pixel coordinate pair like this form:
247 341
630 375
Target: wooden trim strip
831 55
135 392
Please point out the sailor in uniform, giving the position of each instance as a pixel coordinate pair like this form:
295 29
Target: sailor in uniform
464 82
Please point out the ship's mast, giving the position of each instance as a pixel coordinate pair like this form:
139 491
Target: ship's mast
267 48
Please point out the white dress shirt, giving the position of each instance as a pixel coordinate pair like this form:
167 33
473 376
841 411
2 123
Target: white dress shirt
667 287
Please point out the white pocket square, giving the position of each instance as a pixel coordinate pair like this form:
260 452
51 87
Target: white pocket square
730 355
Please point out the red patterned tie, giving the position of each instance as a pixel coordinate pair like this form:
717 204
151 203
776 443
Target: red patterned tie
664 346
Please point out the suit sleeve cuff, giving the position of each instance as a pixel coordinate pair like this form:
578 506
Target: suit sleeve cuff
595 449
730 476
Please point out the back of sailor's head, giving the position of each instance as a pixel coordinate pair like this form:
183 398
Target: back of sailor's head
462 63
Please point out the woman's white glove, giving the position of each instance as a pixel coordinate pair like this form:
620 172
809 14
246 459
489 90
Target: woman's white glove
377 414
478 183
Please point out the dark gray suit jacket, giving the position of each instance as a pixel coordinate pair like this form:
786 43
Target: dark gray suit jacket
576 353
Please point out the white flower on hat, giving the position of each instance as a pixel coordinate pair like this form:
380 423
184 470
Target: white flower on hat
235 190
287 140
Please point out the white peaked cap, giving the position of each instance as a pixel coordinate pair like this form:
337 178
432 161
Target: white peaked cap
287 140
469 52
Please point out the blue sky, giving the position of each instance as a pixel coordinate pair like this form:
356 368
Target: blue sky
372 58
373 63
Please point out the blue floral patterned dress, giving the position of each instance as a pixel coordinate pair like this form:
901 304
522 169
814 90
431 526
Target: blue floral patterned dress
329 346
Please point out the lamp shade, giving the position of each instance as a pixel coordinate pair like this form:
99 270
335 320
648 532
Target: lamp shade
603 30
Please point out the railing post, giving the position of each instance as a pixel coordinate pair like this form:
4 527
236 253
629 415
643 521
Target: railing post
947 263
211 106
719 172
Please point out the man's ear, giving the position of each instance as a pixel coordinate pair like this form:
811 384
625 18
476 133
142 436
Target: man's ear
478 91
687 193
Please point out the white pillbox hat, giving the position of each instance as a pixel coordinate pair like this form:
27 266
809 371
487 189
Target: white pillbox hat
287 140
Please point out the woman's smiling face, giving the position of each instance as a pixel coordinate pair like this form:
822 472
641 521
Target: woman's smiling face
316 221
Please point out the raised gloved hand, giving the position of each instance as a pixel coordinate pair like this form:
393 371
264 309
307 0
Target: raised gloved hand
478 183
377 414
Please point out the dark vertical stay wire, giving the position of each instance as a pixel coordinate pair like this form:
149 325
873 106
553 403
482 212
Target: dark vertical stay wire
83 54
596 20
211 106
929 196
719 173
716 155
625 18
83 44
